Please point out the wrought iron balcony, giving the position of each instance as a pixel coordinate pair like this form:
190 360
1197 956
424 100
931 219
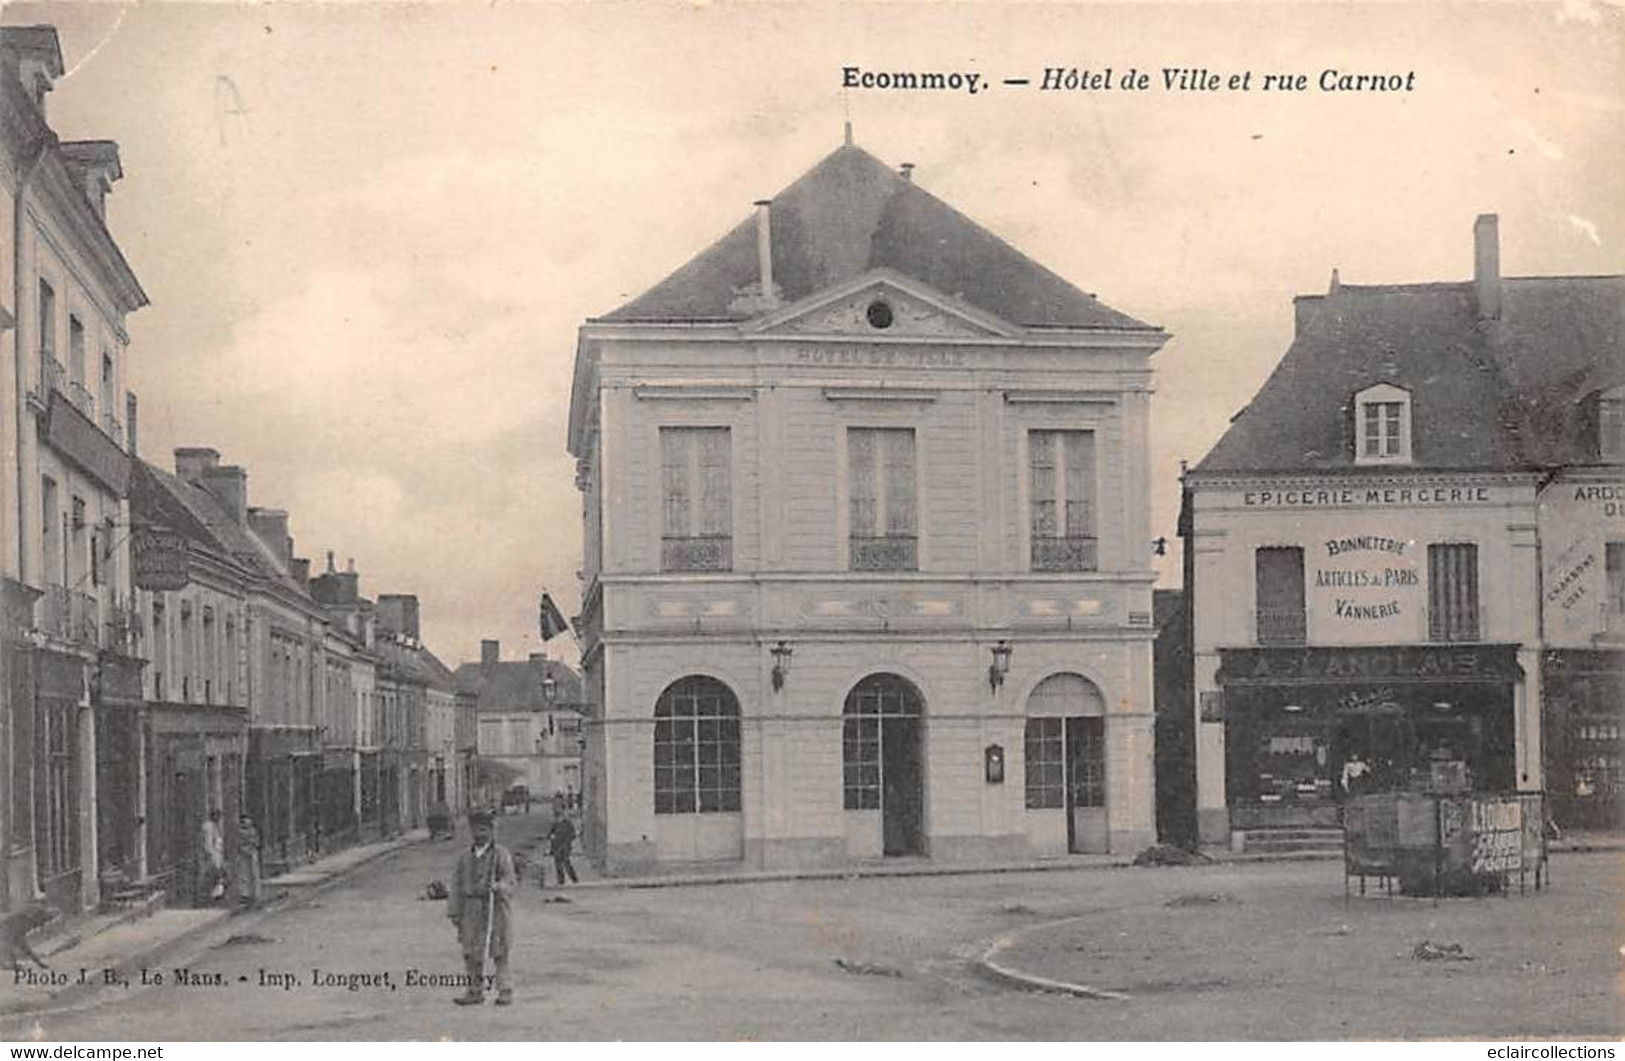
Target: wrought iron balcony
82 400
71 616
700 553
113 426
891 552
121 630
53 377
1281 626
1070 553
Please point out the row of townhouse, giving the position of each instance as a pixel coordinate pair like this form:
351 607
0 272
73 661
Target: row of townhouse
290 698
164 654
1407 554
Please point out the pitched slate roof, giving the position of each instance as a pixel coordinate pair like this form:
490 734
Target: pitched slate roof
1505 394
850 214
159 497
517 685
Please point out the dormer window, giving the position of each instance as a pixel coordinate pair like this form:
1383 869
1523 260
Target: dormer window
1382 425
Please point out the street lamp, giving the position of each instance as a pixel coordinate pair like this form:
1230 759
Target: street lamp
781 663
1000 665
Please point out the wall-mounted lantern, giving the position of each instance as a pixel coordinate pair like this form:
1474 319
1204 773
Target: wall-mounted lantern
1000 665
781 664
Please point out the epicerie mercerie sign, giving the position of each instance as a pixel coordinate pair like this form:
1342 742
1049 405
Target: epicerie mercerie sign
159 559
1351 496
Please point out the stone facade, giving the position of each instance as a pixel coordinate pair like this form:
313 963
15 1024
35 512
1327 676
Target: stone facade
809 526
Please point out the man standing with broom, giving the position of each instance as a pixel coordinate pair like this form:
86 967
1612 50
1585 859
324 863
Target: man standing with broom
478 906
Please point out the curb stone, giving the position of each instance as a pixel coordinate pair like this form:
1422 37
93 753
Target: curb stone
989 965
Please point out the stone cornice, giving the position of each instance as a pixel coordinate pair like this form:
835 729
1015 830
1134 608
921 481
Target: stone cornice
1360 477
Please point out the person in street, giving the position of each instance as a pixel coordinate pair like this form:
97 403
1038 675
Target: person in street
246 882
560 805
478 905
211 883
561 837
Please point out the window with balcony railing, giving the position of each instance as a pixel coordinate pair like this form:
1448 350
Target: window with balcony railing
697 499
1061 477
1453 606
882 520
1278 595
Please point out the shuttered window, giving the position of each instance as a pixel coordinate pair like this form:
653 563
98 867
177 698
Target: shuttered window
1453 593
1278 588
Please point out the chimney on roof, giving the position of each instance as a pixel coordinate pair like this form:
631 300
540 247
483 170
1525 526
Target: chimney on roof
270 525
1336 283
299 568
906 171
1487 266
1303 311
228 484
849 132
490 652
764 251
192 461
398 614
330 569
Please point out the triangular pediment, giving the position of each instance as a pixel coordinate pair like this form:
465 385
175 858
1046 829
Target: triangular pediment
882 304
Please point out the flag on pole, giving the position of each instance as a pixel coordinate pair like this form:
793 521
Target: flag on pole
550 620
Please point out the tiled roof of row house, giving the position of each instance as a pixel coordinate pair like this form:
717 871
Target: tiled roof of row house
1508 393
850 214
160 497
517 685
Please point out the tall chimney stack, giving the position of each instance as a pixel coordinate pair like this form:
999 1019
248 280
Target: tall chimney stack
490 652
1487 266
229 485
764 250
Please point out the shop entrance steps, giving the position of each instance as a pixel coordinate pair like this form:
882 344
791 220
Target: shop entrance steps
1290 840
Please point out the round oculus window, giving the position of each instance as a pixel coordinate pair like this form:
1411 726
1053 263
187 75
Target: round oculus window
880 314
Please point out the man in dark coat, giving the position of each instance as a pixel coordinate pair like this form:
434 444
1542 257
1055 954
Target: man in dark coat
561 837
478 906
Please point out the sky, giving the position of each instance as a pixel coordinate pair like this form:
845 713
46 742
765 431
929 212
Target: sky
370 232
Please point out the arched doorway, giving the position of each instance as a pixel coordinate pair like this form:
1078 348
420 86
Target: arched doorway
1066 764
883 761
697 783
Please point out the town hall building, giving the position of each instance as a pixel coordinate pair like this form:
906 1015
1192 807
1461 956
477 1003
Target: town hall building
867 546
